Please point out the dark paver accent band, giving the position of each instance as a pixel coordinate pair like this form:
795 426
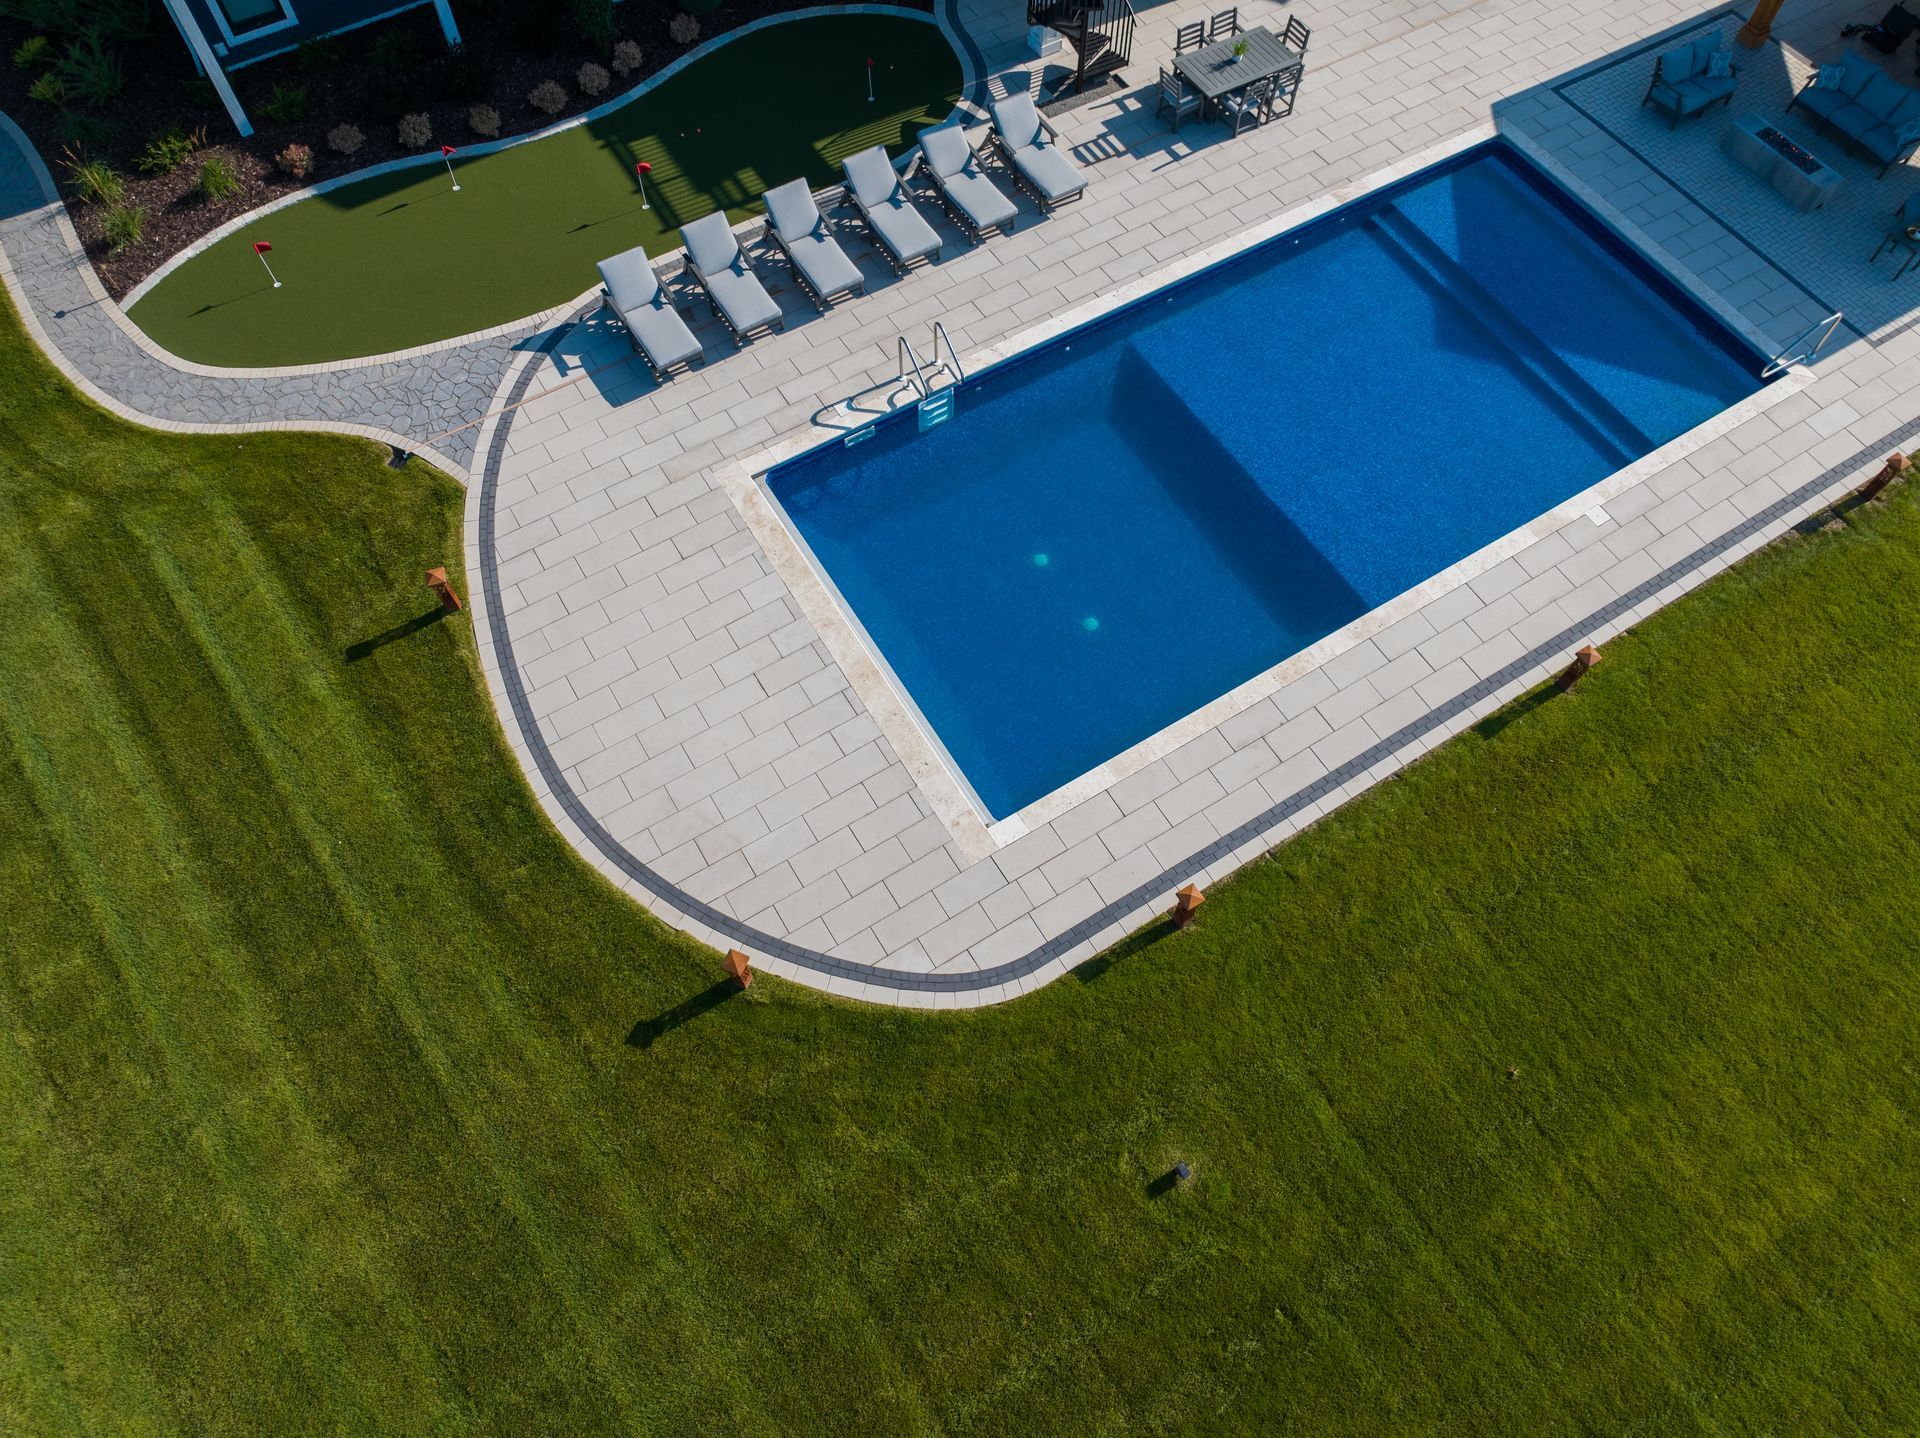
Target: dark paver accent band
1131 904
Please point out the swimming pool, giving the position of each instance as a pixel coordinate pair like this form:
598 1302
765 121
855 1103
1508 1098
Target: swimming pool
1121 525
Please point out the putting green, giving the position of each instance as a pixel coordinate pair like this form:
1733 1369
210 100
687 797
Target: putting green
399 260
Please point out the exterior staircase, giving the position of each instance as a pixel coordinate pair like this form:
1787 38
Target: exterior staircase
1100 32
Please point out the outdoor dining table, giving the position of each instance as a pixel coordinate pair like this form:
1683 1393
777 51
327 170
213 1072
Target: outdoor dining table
1214 72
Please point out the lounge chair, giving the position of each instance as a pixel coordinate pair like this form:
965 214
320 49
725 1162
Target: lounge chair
741 301
969 196
821 266
1027 143
632 291
873 185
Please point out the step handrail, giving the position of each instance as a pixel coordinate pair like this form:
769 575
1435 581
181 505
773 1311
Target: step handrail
1791 355
912 370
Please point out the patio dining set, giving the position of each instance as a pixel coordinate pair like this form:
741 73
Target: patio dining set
1244 77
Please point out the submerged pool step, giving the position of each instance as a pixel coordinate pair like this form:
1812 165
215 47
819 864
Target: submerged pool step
1443 276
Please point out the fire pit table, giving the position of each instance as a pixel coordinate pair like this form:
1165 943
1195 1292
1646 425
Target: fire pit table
1802 178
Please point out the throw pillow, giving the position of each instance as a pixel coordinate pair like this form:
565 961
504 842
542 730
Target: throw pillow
1720 64
1829 77
1908 132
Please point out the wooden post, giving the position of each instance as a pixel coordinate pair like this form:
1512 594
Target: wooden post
1760 25
1890 471
737 968
1584 658
437 582
1186 902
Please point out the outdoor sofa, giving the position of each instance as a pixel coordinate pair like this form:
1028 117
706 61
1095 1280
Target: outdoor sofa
741 301
874 188
1027 143
795 225
632 291
967 193
1861 103
1683 79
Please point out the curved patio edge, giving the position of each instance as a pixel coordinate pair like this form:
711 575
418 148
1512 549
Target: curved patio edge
971 80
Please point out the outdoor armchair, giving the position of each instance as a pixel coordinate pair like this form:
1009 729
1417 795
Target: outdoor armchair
741 301
1027 142
874 187
968 195
797 227
632 291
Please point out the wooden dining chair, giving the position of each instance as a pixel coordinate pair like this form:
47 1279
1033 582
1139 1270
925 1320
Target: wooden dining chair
1296 36
1190 37
1244 108
1223 25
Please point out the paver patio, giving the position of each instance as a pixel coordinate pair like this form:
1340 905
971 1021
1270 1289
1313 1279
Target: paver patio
693 733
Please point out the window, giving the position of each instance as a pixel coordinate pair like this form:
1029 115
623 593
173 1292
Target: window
242 19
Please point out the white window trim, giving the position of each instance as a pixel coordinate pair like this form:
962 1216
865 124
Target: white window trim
220 19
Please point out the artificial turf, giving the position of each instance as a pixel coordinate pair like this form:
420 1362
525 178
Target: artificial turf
401 260
1566 1083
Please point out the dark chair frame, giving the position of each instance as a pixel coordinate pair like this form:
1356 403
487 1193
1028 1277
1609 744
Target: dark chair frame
1224 24
1173 89
1190 37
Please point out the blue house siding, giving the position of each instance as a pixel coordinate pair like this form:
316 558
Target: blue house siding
238 44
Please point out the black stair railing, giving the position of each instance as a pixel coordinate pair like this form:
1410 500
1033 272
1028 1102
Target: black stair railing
1101 34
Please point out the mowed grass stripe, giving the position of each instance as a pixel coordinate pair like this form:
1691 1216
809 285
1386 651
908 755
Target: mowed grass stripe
343 784
91 812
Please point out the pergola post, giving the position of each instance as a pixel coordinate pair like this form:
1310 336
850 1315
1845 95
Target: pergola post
1754 33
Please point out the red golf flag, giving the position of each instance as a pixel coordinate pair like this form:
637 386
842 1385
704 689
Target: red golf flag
643 168
446 150
260 247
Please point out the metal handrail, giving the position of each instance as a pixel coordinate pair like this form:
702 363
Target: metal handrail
911 368
1790 356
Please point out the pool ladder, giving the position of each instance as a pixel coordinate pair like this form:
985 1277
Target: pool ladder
1793 354
935 404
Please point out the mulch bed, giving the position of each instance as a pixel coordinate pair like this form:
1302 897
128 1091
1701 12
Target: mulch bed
364 78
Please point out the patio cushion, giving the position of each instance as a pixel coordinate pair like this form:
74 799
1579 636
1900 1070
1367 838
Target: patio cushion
1860 73
630 279
711 246
1702 91
655 324
1050 172
1881 95
1908 109
872 176
791 210
1018 122
1855 120
1882 142
946 149
1679 63
1823 102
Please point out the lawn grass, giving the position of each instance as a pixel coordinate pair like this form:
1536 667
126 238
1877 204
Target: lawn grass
401 260
339 1097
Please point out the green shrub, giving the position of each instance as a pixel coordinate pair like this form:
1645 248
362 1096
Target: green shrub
34 50
593 23
217 180
286 106
198 92
123 226
314 57
83 130
49 89
91 70
169 150
95 181
116 20
397 51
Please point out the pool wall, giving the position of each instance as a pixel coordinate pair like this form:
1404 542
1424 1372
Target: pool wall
943 784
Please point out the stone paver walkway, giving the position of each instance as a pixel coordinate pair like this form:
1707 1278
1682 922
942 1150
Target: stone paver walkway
413 400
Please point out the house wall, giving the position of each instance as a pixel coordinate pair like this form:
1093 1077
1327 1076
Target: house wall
310 20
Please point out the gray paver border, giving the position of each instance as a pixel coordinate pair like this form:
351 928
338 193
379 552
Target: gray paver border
1134 906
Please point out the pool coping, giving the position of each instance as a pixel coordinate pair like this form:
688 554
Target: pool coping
939 777
970 80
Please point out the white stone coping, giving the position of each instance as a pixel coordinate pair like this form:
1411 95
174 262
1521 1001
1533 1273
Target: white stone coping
529 322
973 829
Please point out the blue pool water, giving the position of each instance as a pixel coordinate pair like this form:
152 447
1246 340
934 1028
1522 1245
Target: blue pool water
1121 525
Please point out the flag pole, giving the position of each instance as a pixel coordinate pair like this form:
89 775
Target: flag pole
446 154
640 172
869 81
260 248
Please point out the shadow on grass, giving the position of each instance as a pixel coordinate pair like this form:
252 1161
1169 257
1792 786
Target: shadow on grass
648 1032
356 652
1165 1184
232 299
1490 727
1096 967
